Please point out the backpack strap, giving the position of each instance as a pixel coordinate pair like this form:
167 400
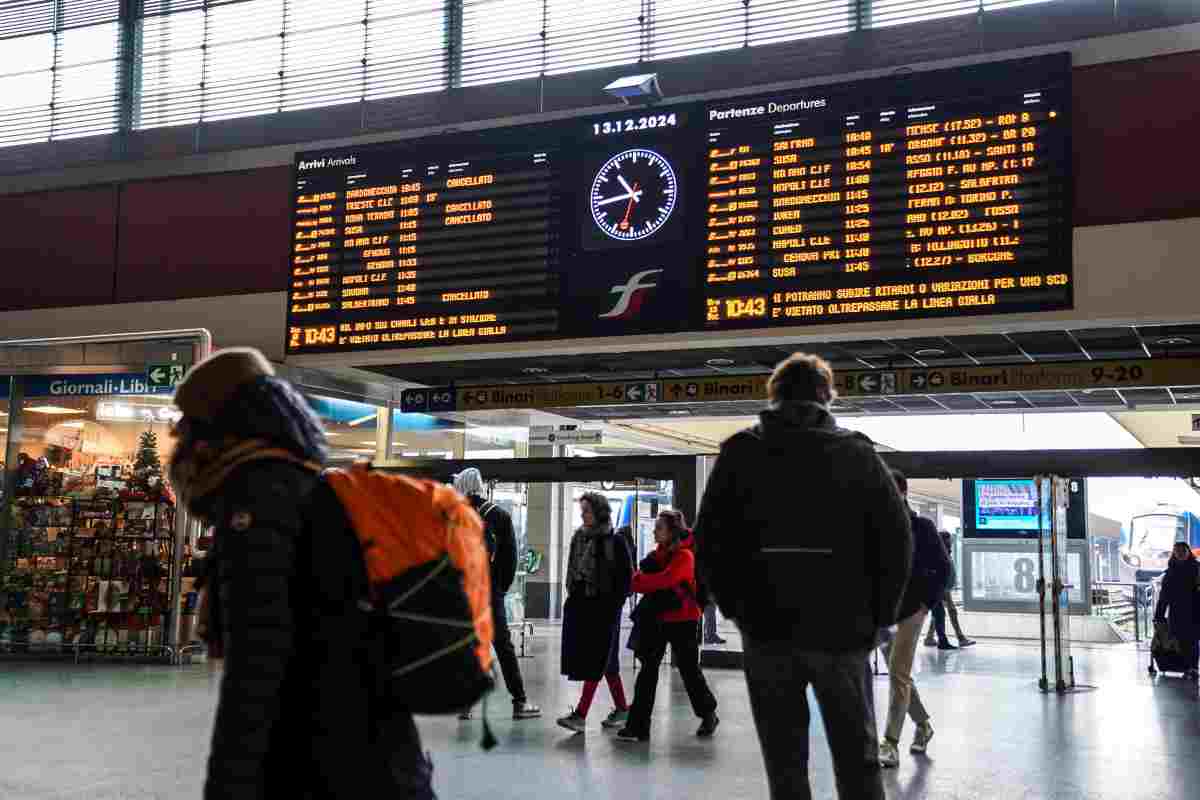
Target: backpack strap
487 508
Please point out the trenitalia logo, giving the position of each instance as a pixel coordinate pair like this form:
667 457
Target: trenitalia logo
632 295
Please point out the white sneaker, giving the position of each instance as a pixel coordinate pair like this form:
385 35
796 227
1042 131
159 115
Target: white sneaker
889 755
921 740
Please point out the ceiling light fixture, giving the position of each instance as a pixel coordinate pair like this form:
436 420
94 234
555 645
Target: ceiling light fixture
354 423
719 362
679 412
76 424
54 410
929 352
1173 341
534 370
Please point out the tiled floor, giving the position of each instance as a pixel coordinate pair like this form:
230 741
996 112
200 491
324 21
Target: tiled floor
102 732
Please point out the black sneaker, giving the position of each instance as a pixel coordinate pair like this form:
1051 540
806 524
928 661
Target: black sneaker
715 640
965 642
946 646
709 726
630 735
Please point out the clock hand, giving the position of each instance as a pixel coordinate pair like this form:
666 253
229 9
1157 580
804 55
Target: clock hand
629 210
619 198
621 178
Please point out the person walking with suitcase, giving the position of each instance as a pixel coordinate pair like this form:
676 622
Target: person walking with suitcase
1177 606
668 614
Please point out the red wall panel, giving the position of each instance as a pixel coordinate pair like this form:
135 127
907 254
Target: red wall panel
204 235
1135 128
58 248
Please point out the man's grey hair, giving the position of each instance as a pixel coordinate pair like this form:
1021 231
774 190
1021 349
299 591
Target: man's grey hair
469 482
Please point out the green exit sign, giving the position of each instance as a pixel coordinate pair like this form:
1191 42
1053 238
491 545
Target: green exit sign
165 376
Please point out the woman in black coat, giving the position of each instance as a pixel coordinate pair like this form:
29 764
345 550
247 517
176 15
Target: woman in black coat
1177 603
599 570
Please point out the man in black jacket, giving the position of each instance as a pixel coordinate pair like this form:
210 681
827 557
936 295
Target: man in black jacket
930 575
501 542
804 542
302 711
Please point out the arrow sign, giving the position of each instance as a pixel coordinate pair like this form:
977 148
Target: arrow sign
165 376
868 384
634 392
919 380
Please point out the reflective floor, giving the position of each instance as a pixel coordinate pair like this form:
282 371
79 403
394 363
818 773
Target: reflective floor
101 732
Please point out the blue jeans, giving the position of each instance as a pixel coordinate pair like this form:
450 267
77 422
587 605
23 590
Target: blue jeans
778 675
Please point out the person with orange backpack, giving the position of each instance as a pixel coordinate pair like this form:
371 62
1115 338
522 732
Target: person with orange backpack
312 596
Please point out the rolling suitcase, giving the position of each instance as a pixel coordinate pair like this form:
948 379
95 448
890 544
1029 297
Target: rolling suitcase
1166 655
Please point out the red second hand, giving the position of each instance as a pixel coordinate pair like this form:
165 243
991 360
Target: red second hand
629 208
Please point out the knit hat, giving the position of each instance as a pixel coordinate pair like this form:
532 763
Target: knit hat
211 384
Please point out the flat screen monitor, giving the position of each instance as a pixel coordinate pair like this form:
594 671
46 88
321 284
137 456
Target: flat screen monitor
1002 505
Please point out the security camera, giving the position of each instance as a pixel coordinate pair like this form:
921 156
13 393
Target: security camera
636 89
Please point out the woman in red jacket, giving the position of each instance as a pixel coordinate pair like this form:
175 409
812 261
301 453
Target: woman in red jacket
667 578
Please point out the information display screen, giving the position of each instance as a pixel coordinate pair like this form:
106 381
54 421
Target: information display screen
925 195
1006 505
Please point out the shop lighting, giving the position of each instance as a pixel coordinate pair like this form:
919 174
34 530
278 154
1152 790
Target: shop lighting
719 362
354 423
368 441
54 410
534 370
929 352
76 424
1173 341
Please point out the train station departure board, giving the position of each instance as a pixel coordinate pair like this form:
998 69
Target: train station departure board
923 195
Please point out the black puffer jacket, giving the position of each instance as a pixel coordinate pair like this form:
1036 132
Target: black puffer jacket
802 533
299 713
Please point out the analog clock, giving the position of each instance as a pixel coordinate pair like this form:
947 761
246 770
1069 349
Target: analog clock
633 194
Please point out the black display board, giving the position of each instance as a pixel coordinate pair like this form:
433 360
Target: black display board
928 194
1000 522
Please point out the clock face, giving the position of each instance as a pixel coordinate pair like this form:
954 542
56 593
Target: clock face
633 195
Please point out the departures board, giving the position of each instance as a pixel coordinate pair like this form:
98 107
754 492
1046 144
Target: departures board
923 195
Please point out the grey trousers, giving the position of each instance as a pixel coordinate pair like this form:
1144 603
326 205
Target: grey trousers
778 675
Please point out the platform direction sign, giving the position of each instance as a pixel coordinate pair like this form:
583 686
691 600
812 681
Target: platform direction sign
1027 377
999 378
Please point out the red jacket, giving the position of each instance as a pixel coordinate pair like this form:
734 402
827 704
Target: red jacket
680 567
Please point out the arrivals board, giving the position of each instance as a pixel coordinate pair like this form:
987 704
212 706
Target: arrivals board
922 195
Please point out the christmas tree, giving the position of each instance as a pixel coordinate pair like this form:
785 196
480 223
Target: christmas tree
147 467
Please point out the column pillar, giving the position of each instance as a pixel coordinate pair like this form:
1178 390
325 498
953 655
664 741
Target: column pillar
543 532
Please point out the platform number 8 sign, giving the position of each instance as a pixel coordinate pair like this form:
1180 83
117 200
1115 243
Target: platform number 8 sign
1024 581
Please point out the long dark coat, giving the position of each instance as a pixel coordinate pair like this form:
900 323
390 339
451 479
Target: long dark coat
592 625
1179 598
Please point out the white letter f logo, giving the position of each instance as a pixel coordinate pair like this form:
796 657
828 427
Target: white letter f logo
632 295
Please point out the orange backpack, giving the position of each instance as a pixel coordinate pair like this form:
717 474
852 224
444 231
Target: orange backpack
428 573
